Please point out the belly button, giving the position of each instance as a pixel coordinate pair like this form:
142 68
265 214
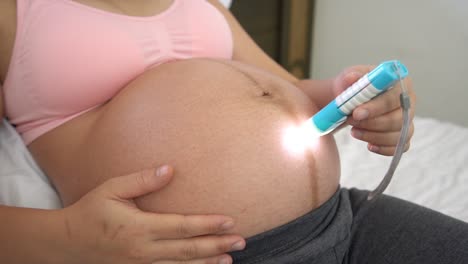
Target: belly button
266 94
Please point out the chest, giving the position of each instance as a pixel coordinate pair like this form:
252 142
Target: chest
8 10
139 8
133 14
77 56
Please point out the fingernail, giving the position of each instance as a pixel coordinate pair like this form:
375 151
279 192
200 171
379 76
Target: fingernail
161 171
227 225
239 245
356 133
353 122
361 114
374 148
353 75
225 260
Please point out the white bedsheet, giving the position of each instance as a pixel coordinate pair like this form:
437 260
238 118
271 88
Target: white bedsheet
434 173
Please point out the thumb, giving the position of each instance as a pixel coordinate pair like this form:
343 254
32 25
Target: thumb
139 183
349 76
346 79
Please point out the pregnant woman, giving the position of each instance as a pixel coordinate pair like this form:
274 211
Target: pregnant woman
105 88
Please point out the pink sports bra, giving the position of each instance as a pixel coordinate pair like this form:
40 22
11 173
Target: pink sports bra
69 58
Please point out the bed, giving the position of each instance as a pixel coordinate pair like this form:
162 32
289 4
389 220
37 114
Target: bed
434 173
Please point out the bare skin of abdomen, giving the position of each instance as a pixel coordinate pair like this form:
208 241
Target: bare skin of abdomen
220 124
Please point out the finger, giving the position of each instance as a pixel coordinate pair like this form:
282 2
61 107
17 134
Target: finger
376 138
138 183
385 103
223 259
386 150
172 226
390 122
380 138
196 248
350 75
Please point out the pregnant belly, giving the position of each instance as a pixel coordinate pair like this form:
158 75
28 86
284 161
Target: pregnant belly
220 124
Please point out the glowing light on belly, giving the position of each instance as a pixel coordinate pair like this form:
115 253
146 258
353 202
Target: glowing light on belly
299 138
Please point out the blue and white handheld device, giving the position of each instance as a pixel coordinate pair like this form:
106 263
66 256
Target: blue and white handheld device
369 86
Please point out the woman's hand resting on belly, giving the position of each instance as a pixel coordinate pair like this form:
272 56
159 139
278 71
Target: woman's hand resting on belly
105 226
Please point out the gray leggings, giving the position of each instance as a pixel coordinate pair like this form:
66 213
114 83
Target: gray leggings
349 229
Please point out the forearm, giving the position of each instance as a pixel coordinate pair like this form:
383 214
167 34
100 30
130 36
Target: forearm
246 50
31 236
319 91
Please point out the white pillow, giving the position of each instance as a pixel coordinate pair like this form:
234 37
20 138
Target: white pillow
22 183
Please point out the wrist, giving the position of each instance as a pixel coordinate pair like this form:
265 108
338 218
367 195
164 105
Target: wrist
31 236
59 236
52 239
